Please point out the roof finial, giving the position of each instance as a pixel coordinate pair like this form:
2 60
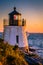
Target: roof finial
14 8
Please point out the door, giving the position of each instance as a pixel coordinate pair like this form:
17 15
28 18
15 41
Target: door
17 39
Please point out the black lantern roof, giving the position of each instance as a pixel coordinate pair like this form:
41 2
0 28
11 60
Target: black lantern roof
14 12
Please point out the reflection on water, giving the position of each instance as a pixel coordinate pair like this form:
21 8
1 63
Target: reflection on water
36 42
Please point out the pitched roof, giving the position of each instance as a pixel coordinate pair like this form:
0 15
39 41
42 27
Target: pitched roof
14 12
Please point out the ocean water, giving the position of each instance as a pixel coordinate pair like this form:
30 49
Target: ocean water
35 40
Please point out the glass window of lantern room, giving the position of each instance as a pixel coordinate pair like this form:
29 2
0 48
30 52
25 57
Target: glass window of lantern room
15 20
17 39
19 17
15 17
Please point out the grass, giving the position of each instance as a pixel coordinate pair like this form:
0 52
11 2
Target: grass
11 55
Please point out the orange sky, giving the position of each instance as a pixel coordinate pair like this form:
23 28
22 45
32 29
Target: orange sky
34 20
37 28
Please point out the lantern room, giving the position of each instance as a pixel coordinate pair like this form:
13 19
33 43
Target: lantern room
15 18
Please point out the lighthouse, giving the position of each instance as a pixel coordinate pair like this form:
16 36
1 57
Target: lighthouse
15 30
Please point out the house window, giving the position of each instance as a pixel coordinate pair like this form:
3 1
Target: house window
17 39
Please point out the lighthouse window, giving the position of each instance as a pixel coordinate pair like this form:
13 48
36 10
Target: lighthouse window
17 39
15 17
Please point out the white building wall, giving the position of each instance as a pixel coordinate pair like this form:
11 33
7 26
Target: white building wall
11 32
6 34
22 37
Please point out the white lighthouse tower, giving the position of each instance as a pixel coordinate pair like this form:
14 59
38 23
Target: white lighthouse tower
15 31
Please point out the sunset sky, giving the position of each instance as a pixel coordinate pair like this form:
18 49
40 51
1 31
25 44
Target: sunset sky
32 11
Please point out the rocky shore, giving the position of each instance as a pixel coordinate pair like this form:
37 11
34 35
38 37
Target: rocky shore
13 55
